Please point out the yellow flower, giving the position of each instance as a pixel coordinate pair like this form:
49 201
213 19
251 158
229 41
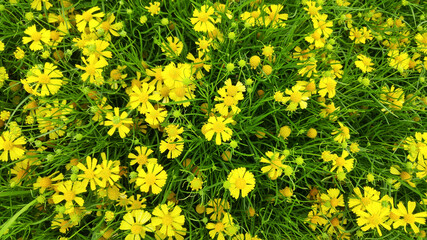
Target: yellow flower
140 96
359 202
154 178
399 61
93 69
118 121
228 102
88 17
108 171
69 190
339 163
36 37
364 64
221 227
43 83
332 200
392 97
343 133
408 217
136 222
217 207
169 218
202 20
37 4
142 157
311 8
275 169
316 38
88 175
319 22
327 85
19 53
1 46
174 146
11 144
203 44
155 115
217 126
274 18
97 48
154 8
196 184
173 47
47 183
375 216
241 182
297 96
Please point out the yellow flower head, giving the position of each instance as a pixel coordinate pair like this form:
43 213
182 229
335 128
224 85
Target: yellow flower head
241 182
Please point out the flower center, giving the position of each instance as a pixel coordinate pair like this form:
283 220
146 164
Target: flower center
229 101
150 178
409 218
36 36
91 70
296 97
8 145
219 227
374 220
240 183
116 120
167 220
334 202
69 196
203 17
136 229
141 159
340 161
45 182
218 127
87 16
44 78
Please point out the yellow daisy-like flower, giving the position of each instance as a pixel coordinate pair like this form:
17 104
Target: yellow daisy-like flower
174 146
136 222
154 178
241 182
340 163
142 157
88 175
43 82
69 190
36 37
364 63
154 8
408 217
173 47
217 126
93 69
342 134
11 145
140 97
202 20
275 169
37 4
108 171
332 200
169 218
375 216
88 18
118 121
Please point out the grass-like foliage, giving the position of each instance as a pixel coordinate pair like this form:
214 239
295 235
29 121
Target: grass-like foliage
228 119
